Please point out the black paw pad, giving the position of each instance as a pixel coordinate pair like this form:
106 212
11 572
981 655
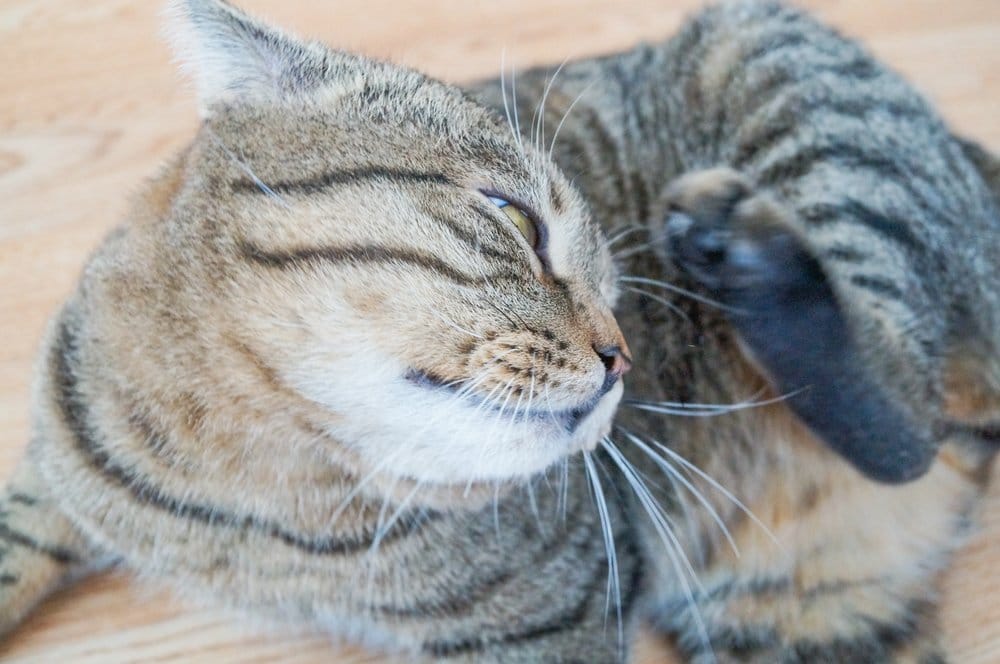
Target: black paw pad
750 249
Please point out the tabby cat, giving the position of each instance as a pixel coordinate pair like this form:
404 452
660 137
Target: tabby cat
351 361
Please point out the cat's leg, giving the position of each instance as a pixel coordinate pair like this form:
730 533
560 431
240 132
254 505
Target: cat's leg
40 549
745 249
853 575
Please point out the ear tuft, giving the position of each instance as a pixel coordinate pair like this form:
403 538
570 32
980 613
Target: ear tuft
234 58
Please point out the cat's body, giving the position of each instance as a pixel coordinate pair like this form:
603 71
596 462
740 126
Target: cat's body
844 161
185 427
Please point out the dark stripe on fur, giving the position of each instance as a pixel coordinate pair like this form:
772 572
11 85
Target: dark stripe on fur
77 419
563 622
877 644
371 254
777 82
728 590
326 180
881 286
845 155
457 600
474 241
794 115
743 641
608 155
849 209
770 43
23 499
629 561
629 77
56 553
844 254
632 591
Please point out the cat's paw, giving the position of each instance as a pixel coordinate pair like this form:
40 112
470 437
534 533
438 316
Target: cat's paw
743 247
732 240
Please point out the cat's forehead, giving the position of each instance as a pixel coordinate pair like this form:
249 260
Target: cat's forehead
416 118
439 137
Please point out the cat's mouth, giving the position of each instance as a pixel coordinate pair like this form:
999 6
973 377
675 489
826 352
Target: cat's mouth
568 419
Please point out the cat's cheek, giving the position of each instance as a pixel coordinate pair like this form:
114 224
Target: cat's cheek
597 425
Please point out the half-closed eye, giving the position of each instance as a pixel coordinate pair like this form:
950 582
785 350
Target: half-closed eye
525 224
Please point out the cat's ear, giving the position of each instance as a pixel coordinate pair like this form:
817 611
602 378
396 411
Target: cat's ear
985 161
234 58
972 366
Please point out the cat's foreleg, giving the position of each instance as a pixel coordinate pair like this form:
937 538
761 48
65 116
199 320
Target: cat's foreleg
854 576
744 249
40 549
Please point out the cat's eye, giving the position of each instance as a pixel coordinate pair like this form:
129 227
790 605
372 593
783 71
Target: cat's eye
523 222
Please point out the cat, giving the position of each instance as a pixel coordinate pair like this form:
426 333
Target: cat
306 377
823 253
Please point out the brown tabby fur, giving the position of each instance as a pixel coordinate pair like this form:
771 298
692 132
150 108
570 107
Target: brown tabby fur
812 123
248 393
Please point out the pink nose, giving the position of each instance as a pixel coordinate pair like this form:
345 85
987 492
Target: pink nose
616 362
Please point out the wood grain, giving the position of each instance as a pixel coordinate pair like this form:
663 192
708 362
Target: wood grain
92 104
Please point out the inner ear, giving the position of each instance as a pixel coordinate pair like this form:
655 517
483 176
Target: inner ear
235 58
972 386
972 363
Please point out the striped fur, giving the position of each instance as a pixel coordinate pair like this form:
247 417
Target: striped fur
844 248
305 378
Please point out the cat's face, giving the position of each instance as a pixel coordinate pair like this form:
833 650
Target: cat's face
396 256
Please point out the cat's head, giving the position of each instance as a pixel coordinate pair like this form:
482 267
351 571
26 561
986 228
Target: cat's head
394 254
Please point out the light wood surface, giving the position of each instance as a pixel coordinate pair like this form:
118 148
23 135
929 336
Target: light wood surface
91 104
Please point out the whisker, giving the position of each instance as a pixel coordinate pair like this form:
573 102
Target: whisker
614 582
721 489
357 488
540 111
681 291
271 193
512 418
555 135
644 494
382 513
503 92
513 96
382 531
627 251
509 391
496 509
563 481
671 471
534 506
622 234
708 406
705 410
665 302
456 326
662 525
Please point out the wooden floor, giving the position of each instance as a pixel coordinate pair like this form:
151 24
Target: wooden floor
91 105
